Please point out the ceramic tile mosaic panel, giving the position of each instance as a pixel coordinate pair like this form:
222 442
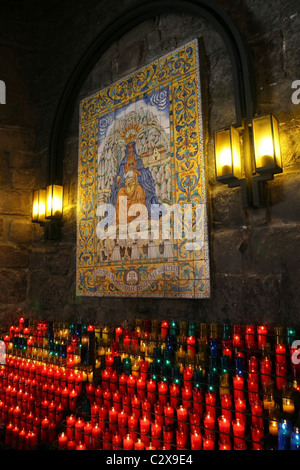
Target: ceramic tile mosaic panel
142 219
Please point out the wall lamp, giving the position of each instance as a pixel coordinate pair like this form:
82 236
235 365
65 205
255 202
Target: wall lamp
261 157
47 209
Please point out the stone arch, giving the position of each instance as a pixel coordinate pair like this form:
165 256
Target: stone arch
243 78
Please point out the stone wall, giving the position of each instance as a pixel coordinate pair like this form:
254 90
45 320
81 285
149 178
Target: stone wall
254 253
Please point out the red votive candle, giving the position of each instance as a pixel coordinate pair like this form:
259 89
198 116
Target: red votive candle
196 440
224 445
131 381
281 371
141 388
265 369
122 423
208 442
250 342
98 395
168 434
240 409
257 413
253 390
162 392
198 400
280 350
169 413
182 417
237 336
186 393
226 404
96 437
139 445
257 434
112 419
262 336
210 402
156 429
158 409
238 429
224 427
62 441
174 391
181 438
194 419
128 442
136 406
209 424
238 385
117 441
151 390
94 413
87 430
146 409
79 427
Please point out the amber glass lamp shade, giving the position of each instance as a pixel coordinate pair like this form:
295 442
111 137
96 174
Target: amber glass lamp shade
266 144
39 206
54 201
227 155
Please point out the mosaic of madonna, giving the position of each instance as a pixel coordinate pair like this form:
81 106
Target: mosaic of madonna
142 219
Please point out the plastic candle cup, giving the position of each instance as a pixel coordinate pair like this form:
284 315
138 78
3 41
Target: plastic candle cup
238 428
136 406
122 423
144 425
186 393
280 350
106 439
162 392
250 337
140 388
96 437
238 385
194 420
257 413
208 442
196 440
261 336
62 441
169 413
224 445
182 416
295 439
288 405
240 409
156 430
168 434
224 427
284 433
268 401
209 424
151 390
79 427
273 417
132 425
87 431
257 434
181 438
139 445
253 389
117 441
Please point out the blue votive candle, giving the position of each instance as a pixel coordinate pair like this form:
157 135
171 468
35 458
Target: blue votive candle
284 434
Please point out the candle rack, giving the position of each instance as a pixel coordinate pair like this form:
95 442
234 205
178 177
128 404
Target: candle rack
149 385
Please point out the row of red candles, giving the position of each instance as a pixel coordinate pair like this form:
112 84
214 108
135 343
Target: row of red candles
124 399
33 383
